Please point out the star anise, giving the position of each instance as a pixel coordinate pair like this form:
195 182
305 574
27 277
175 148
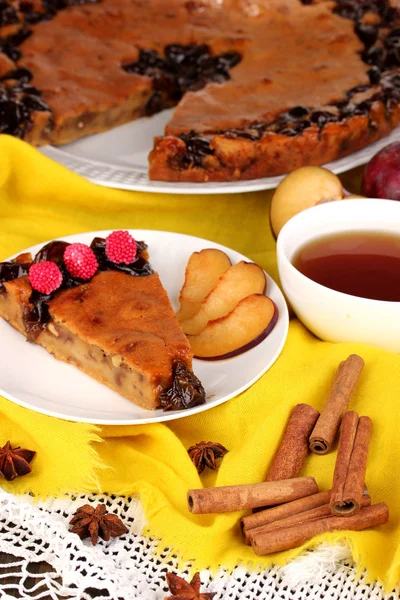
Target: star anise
182 590
205 454
94 522
14 462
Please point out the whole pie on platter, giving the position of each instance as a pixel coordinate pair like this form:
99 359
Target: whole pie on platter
261 87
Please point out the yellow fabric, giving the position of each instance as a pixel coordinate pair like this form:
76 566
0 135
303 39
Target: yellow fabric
40 200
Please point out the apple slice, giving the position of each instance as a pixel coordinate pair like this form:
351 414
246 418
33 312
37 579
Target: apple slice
202 273
236 283
246 326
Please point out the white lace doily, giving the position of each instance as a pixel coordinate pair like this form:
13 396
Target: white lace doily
128 568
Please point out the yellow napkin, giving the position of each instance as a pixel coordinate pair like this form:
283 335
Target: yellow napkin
40 200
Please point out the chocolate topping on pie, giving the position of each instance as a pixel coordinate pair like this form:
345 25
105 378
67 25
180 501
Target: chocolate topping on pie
119 326
38 316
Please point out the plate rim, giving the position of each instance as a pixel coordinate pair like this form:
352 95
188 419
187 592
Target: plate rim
165 416
92 169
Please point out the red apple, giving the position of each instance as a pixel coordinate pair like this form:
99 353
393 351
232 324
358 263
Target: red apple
382 174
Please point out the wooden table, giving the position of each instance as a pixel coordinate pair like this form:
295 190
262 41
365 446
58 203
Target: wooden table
36 569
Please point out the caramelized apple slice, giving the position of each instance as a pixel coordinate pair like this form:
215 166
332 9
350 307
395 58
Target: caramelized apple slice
24 259
245 327
236 283
202 273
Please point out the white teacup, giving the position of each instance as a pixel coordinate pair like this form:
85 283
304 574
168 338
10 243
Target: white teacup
331 315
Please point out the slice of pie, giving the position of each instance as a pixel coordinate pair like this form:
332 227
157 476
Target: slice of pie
118 327
261 87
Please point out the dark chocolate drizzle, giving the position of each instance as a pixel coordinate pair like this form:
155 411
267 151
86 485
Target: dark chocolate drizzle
26 14
182 68
140 266
36 319
8 14
18 102
10 270
196 149
18 98
9 45
186 390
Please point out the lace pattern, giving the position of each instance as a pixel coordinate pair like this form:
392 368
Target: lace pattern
132 566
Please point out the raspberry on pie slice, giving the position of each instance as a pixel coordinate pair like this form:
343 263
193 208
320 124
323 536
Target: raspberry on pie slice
119 327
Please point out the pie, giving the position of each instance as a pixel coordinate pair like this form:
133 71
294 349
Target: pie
261 87
118 327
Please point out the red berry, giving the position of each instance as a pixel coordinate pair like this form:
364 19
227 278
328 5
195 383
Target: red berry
45 277
80 261
121 247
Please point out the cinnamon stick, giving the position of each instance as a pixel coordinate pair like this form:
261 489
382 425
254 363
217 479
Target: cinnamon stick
309 515
325 430
293 449
277 513
296 535
240 497
351 464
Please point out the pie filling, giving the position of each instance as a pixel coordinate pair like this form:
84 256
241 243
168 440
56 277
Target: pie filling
132 343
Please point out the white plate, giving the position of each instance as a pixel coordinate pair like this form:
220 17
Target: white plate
32 378
118 159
